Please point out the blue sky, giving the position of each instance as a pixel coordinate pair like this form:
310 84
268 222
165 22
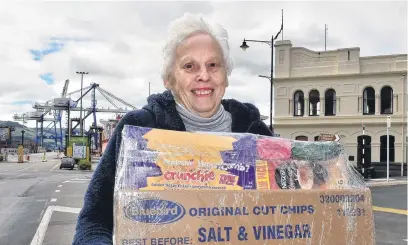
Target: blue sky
47 78
52 47
39 55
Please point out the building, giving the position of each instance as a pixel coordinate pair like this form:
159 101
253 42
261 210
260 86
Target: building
108 126
337 92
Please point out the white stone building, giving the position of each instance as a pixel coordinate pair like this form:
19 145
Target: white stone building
338 92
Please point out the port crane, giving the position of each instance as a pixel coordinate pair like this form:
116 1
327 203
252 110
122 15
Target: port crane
40 117
69 105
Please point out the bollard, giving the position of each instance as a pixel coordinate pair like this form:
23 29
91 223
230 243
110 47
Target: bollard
44 159
20 154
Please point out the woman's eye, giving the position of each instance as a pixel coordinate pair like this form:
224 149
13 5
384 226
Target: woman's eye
188 66
213 64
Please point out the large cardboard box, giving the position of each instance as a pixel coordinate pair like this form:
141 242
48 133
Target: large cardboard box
177 188
244 217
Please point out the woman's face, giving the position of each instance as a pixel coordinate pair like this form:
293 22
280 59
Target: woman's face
198 78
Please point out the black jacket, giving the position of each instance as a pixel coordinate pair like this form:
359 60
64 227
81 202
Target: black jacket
95 221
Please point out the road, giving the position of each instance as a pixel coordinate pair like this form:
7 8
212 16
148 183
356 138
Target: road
39 202
390 224
43 201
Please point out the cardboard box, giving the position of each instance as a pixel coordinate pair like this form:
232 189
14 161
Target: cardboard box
244 217
177 188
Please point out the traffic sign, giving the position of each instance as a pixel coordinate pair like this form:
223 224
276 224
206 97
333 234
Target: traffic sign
329 137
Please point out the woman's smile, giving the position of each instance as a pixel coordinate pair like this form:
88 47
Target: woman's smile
203 92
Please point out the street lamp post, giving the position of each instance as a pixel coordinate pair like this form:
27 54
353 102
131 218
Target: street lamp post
80 120
22 137
82 82
244 47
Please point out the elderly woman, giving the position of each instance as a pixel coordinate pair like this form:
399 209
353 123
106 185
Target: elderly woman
195 73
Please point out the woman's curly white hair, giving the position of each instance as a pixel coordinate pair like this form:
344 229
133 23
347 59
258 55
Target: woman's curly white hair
184 27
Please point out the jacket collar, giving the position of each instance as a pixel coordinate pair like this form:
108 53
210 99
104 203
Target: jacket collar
163 107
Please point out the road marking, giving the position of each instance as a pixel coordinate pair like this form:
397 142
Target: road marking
57 190
56 165
26 168
53 199
76 180
60 186
82 179
42 228
391 210
67 209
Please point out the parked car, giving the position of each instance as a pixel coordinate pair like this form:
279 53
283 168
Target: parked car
67 162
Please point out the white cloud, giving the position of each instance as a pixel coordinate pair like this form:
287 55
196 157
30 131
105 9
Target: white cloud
119 44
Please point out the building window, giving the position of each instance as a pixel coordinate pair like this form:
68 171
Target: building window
330 103
299 104
316 138
314 103
386 100
383 148
369 101
301 138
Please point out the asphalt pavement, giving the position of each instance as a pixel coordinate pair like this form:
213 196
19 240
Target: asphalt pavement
390 214
40 204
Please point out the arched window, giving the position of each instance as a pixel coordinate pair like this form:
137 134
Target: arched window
386 100
330 103
301 138
369 101
299 103
383 148
314 103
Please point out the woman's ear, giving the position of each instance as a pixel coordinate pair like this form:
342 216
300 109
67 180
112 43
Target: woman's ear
167 84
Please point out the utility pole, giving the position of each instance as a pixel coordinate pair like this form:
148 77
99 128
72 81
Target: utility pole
282 25
149 88
82 83
405 106
388 147
325 35
80 120
363 151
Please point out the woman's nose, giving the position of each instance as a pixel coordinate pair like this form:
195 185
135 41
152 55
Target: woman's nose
204 75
